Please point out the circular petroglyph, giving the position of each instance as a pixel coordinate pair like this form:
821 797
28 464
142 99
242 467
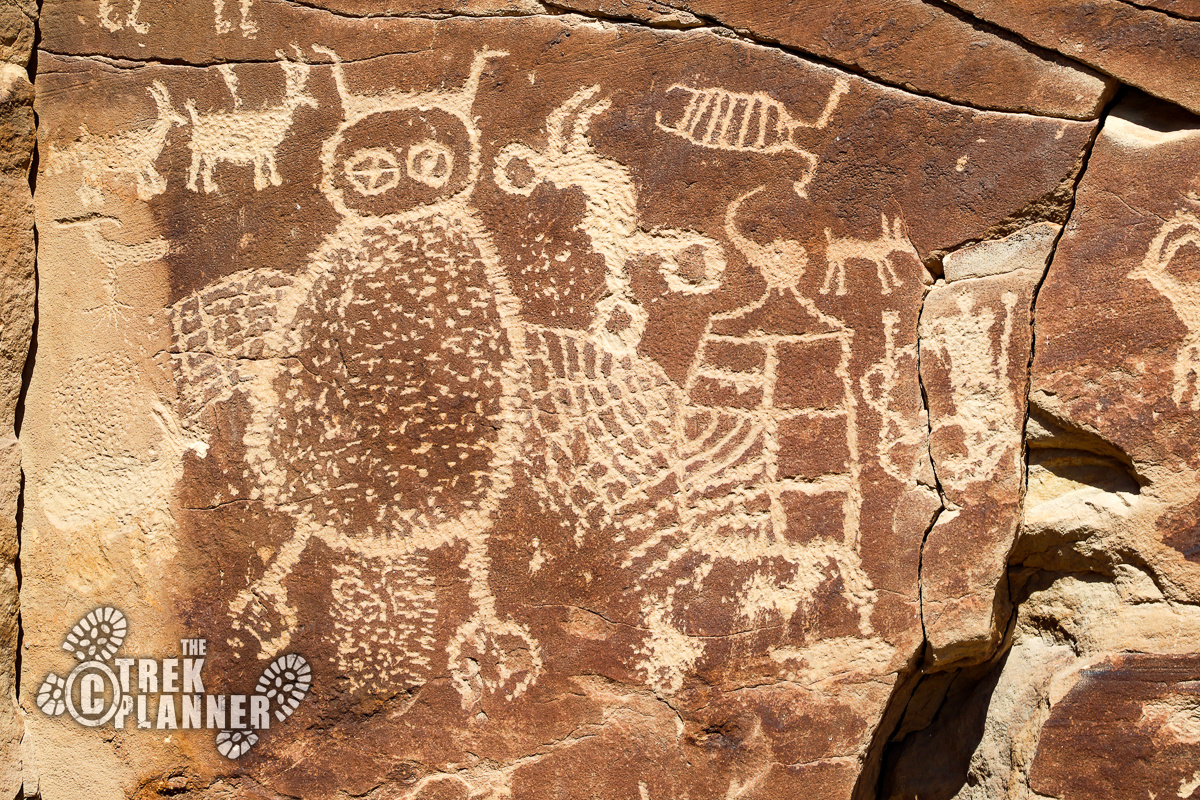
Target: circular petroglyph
372 171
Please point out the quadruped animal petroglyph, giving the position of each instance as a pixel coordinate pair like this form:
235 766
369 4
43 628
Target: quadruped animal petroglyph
841 250
246 136
132 153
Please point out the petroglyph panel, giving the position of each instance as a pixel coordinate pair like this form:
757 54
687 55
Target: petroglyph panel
565 418
975 349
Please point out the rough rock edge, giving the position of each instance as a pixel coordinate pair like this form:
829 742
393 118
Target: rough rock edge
17 310
922 696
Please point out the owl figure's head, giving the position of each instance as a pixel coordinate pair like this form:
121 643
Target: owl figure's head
401 155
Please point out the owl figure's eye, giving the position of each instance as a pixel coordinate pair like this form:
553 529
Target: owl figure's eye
373 170
431 163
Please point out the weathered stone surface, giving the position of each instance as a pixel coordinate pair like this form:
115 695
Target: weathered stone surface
1141 46
975 348
17 31
565 417
1043 714
1130 727
1096 695
650 12
16 322
1116 354
915 45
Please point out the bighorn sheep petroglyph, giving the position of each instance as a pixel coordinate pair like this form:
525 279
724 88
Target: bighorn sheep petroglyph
130 153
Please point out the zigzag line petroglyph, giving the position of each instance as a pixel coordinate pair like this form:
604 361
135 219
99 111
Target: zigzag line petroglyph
131 153
752 122
246 136
839 252
1180 231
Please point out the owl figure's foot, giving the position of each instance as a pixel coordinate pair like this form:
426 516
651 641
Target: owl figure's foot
490 657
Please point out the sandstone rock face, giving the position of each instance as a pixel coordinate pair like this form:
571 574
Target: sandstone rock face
542 427
916 45
462 399
1135 42
1103 570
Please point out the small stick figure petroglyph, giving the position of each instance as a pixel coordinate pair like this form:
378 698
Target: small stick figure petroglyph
114 254
223 25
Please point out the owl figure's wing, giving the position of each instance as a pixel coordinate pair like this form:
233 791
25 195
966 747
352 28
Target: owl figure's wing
231 333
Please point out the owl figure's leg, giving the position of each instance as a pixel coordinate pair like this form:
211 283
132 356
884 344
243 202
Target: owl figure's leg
489 656
262 608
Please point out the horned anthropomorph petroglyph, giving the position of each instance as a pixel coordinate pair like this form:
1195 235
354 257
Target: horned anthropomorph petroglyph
132 153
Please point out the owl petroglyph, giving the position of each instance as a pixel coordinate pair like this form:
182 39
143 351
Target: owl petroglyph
381 379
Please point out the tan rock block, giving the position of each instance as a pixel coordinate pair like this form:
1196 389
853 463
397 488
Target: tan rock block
16 321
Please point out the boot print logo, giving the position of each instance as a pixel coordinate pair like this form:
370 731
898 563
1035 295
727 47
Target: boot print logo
166 693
